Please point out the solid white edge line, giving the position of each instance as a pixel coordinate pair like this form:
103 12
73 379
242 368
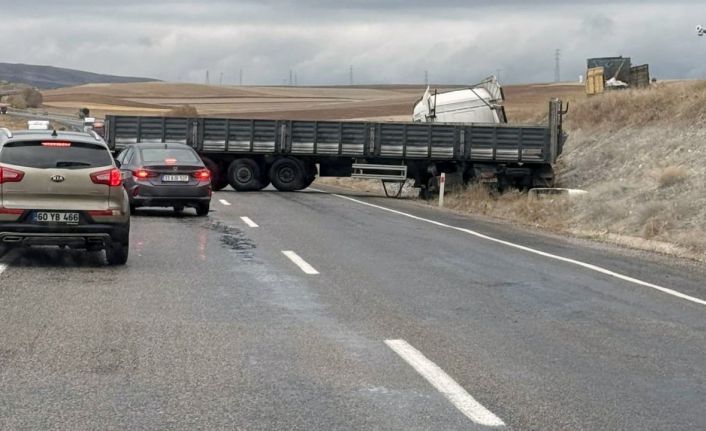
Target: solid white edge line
248 222
448 387
224 202
535 251
3 267
301 263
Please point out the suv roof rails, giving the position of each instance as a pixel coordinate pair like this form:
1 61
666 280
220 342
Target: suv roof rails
6 131
95 135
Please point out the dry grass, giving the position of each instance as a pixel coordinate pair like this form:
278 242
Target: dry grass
670 103
12 123
513 205
183 111
672 175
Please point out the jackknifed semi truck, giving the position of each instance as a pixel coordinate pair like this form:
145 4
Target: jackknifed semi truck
250 154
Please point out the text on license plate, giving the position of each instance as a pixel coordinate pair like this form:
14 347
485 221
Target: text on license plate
175 178
55 217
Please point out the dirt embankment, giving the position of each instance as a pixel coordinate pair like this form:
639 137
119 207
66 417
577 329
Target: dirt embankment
641 155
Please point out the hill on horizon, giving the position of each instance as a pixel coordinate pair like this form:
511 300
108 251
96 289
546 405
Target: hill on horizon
49 77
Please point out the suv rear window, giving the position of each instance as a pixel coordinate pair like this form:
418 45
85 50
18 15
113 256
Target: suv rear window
47 155
159 155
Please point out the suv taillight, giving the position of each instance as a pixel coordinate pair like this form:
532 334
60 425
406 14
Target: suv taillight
111 177
8 175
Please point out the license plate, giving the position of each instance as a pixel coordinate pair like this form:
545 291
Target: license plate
55 217
175 178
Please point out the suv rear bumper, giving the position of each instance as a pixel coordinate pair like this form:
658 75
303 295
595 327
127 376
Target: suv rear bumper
81 236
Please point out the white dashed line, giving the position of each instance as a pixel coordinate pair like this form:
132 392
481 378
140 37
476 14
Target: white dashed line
224 202
448 387
3 267
249 222
585 265
301 263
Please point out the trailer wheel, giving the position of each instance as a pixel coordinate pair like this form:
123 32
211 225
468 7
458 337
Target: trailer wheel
543 176
218 180
219 184
245 175
288 174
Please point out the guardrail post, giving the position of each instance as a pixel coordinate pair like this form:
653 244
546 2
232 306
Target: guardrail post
442 186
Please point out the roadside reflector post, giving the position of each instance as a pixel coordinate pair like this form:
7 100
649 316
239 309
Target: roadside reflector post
442 186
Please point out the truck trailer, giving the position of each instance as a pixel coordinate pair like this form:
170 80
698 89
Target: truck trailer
250 154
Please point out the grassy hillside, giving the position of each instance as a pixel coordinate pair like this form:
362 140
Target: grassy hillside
641 155
46 77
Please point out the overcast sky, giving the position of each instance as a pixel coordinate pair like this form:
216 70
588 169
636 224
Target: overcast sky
386 41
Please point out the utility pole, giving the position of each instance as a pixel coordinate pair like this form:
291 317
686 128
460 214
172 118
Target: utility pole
220 80
240 78
557 65
350 76
497 74
296 80
291 81
208 79
426 78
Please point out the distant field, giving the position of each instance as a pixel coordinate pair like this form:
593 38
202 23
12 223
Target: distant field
524 102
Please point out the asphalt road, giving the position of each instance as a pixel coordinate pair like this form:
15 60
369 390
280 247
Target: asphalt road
372 319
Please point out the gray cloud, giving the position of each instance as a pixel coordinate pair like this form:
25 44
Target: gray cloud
387 41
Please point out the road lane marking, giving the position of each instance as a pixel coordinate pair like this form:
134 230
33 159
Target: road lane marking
3 267
249 222
443 383
224 202
301 263
537 252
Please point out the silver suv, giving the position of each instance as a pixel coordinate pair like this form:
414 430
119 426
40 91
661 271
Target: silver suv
62 189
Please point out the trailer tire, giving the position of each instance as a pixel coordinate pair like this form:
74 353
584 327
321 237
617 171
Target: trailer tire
543 176
288 174
220 184
246 175
311 173
218 180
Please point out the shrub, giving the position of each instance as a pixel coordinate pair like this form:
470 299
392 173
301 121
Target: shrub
32 97
17 101
672 175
